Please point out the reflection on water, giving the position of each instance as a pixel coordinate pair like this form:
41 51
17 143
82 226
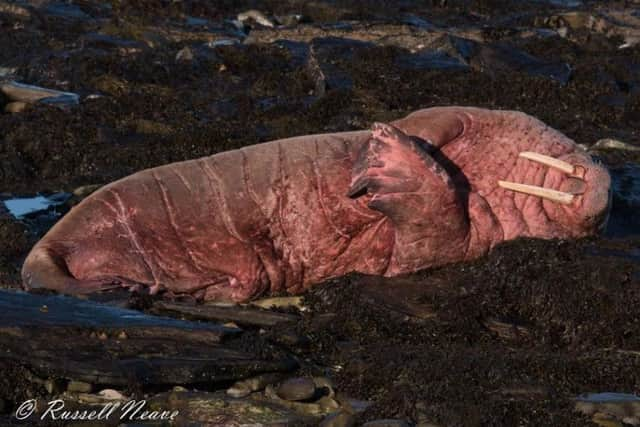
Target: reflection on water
625 212
607 397
20 207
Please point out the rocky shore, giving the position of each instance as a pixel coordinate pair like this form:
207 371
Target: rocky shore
537 333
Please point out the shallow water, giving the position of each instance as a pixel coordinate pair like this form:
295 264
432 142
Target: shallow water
23 206
625 211
607 397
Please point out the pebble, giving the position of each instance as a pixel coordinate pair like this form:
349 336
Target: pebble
326 383
79 387
296 389
110 394
614 144
245 387
256 16
354 406
185 54
339 419
15 107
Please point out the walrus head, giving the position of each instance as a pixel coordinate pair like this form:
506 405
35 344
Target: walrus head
576 192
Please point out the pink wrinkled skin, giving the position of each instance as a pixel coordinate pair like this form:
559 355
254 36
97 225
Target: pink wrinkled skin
287 214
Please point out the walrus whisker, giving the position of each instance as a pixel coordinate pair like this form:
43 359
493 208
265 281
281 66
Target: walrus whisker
545 193
552 162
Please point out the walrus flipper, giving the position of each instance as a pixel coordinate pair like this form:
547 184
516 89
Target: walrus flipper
45 268
407 185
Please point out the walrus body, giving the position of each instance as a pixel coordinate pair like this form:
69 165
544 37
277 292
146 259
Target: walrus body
284 215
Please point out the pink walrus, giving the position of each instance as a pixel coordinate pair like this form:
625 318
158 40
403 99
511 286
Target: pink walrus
439 186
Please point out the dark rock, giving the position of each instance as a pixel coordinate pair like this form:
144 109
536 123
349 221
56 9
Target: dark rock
322 62
386 423
418 22
339 419
66 11
185 54
500 57
107 42
296 389
429 59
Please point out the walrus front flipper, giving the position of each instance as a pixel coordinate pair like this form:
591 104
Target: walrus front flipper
408 186
44 268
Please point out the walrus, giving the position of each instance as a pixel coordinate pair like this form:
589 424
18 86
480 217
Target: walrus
439 186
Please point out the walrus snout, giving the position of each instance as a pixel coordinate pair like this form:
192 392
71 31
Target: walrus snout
576 191
590 211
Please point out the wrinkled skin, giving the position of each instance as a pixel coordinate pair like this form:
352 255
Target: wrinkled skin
284 215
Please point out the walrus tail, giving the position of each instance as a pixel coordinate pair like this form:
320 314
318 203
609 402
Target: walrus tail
44 268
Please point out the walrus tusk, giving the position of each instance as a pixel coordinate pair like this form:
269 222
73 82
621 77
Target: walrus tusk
545 193
552 162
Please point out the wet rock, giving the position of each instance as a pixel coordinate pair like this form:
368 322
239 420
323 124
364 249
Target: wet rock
562 3
79 387
54 386
66 11
612 22
203 407
32 94
321 63
430 60
103 396
618 405
604 420
240 315
352 405
288 337
184 55
196 22
386 423
279 302
7 72
325 384
614 144
245 387
500 57
322 406
339 419
15 107
257 17
296 389
418 22
18 10
290 20
108 42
